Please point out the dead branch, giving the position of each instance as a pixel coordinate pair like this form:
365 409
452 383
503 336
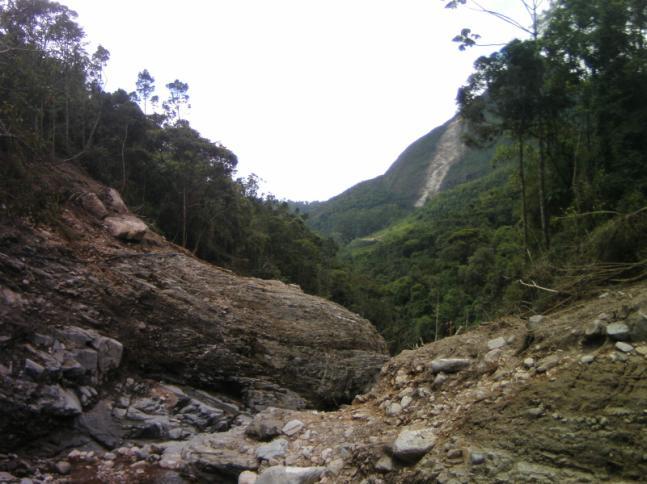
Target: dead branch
534 285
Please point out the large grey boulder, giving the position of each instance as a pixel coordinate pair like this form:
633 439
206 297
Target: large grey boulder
411 445
126 227
94 205
58 401
115 202
449 365
618 331
290 475
272 450
109 353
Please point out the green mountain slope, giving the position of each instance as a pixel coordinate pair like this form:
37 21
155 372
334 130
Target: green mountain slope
438 158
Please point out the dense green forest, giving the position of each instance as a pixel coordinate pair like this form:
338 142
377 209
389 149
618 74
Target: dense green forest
53 108
564 209
374 204
549 202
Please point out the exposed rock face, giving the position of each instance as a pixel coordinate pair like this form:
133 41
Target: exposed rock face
106 289
450 150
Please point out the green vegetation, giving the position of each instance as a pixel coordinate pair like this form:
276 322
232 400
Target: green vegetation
523 224
374 204
53 108
564 210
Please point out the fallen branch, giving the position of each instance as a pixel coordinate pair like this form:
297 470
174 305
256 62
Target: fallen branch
534 285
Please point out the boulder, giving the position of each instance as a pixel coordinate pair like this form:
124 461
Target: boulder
58 401
535 321
292 427
290 475
33 369
272 450
496 343
87 358
247 477
618 331
115 202
624 347
449 365
411 445
547 363
94 205
384 464
109 353
264 427
126 227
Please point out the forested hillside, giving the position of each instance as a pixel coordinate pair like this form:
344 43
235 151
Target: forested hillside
374 204
565 209
53 108
523 224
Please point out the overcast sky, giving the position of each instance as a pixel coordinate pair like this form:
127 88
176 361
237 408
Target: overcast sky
312 95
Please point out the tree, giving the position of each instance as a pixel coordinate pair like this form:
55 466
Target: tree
145 87
503 96
466 38
178 96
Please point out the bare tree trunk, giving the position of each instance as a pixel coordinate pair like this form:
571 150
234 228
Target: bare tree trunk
67 116
437 315
184 237
123 160
542 198
524 209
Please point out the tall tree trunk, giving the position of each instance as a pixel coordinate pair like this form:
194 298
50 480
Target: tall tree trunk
67 116
437 315
52 145
184 237
524 209
542 197
123 160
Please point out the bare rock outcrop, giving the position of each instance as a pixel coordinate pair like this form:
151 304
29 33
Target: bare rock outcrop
103 298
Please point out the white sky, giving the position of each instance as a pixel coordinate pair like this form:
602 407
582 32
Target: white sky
312 95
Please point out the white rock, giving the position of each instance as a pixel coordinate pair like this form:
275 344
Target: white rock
336 466
496 343
406 401
535 321
493 355
394 409
624 347
247 477
63 467
115 202
290 475
586 359
411 445
439 380
126 227
272 450
449 365
92 204
384 464
109 353
529 362
326 454
618 331
292 427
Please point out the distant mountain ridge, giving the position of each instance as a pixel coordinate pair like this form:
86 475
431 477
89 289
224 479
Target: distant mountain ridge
433 163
